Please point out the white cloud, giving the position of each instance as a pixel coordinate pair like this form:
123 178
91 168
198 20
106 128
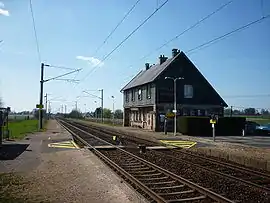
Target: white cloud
91 60
2 10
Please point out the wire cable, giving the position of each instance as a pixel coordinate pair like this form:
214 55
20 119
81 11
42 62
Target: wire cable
61 67
215 40
247 96
35 31
210 42
125 39
118 24
188 29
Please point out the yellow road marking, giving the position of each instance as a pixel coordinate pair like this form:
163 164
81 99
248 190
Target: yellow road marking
179 143
65 144
76 146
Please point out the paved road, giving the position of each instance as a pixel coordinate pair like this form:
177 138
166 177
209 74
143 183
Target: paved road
255 141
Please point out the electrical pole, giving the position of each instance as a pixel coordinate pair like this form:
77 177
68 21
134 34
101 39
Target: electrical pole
65 109
231 110
102 106
46 100
113 109
49 109
41 95
175 105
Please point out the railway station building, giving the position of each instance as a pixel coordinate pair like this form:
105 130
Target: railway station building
149 97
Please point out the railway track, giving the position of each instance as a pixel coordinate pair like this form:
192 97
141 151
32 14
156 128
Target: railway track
232 171
158 184
245 175
126 140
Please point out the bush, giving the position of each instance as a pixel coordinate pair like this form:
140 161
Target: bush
194 126
230 126
200 126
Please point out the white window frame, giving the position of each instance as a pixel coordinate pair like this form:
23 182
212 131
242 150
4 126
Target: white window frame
148 91
188 91
139 94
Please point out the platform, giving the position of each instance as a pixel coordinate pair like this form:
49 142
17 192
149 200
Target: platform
45 172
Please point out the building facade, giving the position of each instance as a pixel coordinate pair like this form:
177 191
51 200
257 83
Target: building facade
149 97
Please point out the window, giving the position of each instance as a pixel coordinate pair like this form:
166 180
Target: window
188 91
127 96
132 95
192 112
148 91
140 94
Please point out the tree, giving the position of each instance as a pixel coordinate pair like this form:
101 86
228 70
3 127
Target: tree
75 114
97 113
250 111
1 103
118 114
107 113
36 113
265 112
227 111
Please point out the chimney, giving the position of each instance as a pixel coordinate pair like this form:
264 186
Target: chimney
147 66
162 59
175 52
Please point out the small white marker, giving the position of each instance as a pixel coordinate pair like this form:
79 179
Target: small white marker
49 138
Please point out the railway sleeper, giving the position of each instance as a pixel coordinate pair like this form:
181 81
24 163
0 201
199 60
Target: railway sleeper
176 193
138 169
149 171
148 175
161 183
169 187
191 199
151 179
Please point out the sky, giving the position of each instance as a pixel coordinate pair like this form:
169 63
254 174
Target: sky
70 32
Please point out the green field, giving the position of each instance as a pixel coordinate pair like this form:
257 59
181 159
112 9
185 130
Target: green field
18 129
260 121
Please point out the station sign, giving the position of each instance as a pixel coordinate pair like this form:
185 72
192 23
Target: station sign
170 115
39 106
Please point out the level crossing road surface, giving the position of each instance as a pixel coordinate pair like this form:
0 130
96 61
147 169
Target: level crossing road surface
253 141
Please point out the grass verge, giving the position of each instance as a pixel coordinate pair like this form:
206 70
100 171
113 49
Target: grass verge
19 129
260 121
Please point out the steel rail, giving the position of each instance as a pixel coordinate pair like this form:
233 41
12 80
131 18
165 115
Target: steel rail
214 196
246 182
216 162
229 165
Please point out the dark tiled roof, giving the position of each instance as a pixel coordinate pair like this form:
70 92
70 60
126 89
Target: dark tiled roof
147 76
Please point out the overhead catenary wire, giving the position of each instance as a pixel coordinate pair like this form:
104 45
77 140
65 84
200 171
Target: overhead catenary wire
222 37
247 96
188 29
61 67
35 31
111 33
124 40
118 24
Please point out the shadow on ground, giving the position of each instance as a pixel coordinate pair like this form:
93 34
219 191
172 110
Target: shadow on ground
11 151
